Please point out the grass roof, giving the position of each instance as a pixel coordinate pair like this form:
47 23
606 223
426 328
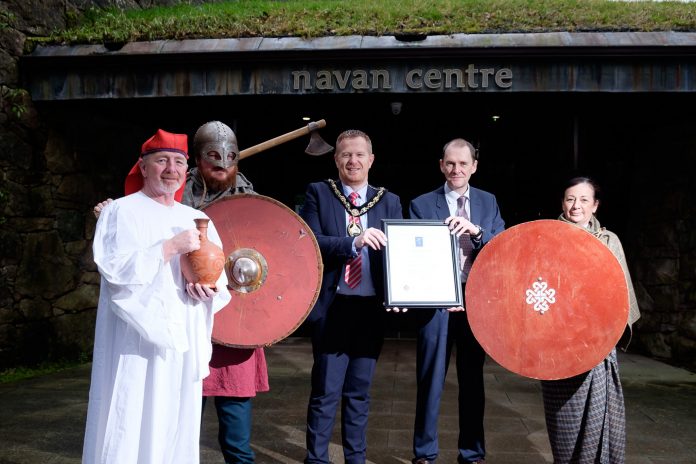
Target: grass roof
314 18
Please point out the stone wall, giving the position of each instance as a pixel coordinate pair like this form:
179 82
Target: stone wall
663 245
647 163
48 281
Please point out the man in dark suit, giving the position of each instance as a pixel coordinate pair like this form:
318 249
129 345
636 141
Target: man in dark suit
472 215
347 320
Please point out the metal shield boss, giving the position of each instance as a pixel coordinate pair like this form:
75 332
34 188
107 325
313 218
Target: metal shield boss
547 300
273 267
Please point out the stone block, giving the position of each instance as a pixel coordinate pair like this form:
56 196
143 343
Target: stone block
75 332
80 299
35 309
656 344
8 272
8 68
77 248
90 225
9 245
645 300
31 224
44 266
15 202
664 298
59 158
14 151
91 277
647 254
687 266
70 224
7 316
688 294
87 260
688 326
648 322
658 271
40 201
76 188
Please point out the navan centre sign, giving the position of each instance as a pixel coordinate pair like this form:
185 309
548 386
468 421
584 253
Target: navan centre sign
469 77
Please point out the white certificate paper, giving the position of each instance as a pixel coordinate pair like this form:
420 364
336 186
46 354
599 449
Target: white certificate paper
420 265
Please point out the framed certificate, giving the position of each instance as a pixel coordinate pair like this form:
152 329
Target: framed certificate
420 265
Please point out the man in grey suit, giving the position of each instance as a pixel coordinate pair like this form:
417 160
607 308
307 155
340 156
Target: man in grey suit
472 215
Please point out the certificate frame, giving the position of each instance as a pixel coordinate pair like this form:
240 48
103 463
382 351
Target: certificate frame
421 268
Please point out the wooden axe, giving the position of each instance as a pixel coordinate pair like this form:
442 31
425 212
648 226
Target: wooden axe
316 147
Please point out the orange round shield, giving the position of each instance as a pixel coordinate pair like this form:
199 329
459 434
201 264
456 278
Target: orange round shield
547 300
273 267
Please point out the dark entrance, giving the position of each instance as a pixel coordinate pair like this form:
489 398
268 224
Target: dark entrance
529 143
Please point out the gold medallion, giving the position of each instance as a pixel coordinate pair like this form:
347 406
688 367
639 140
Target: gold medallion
354 229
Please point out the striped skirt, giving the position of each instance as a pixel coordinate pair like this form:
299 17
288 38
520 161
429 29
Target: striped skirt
585 416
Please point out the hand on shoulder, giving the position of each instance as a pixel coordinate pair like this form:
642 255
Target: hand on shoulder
100 206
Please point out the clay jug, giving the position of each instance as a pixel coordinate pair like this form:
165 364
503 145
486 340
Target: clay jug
203 266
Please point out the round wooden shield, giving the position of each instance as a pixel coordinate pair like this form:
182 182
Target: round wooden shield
273 266
547 300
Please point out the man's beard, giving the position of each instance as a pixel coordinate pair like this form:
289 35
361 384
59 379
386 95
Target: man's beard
170 186
227 183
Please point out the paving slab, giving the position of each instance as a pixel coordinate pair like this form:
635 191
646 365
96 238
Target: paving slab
42 419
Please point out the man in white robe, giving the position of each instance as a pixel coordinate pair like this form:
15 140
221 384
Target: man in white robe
152 340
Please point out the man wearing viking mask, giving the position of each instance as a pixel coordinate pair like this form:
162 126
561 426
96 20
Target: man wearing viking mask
236 374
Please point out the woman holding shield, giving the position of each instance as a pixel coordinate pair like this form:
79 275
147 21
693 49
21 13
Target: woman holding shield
585 414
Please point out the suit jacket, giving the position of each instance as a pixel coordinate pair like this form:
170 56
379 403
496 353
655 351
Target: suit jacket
326 216
483 205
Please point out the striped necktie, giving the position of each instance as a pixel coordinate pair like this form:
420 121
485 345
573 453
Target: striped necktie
466 248
354 265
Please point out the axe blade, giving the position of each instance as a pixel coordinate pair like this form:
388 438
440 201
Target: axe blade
317 146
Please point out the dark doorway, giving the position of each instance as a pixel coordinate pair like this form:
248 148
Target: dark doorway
529 143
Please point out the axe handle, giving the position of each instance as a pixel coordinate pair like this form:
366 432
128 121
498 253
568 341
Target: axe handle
282 139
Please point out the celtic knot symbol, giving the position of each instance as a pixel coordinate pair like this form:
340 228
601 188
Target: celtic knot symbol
541 296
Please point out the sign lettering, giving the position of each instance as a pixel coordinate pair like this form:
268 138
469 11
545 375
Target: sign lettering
433 79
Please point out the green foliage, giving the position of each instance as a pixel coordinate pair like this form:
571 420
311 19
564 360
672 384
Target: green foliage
14 374
12 100
7 19
313 18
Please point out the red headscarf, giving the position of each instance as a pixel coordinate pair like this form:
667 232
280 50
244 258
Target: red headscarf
161 141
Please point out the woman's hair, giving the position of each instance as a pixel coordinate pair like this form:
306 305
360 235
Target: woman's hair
581 180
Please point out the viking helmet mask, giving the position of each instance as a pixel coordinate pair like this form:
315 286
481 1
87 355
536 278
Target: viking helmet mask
216 143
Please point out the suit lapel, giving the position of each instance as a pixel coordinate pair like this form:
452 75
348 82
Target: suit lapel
339 212
476 206
441 209
373 219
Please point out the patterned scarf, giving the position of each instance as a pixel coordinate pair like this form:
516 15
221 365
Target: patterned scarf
611 240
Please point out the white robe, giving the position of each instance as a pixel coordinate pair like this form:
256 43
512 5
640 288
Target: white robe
152 341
